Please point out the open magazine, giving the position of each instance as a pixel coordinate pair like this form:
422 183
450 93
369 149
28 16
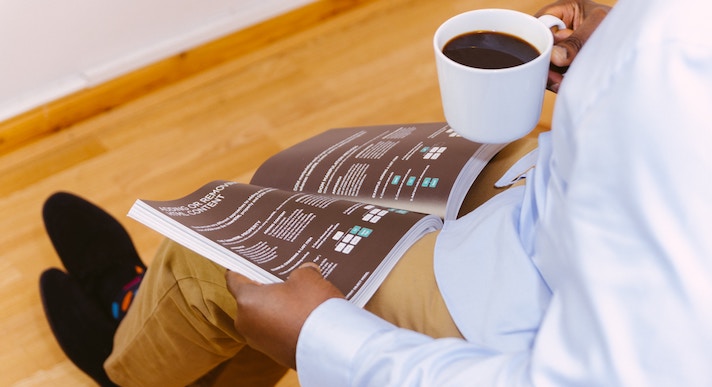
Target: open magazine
351 200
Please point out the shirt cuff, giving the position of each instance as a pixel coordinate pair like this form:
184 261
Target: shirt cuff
330 339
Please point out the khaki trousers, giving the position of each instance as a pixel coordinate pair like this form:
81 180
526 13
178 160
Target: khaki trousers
180 328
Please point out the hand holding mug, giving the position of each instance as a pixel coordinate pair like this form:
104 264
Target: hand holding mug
490 99
581 18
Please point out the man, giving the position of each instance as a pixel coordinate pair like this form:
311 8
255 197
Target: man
614 218
593 273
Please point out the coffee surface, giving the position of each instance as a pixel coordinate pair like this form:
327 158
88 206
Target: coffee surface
489 50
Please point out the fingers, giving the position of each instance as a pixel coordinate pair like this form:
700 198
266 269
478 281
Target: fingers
238 278
554 80
309 276
239 285
236 282
567 48
305 285
582 18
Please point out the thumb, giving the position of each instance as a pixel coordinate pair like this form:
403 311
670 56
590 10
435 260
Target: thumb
311 265
306 272
236 282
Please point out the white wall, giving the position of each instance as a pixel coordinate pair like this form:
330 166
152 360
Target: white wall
52 48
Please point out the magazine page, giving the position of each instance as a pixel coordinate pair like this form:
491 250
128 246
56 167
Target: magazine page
418 167
265 233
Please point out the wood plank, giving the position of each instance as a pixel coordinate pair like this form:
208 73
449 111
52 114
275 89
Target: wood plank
69 110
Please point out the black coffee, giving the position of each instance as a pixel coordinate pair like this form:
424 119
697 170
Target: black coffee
489 50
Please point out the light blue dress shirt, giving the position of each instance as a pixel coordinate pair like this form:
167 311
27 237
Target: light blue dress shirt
599 271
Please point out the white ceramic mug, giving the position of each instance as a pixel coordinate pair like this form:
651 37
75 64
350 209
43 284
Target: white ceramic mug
495 105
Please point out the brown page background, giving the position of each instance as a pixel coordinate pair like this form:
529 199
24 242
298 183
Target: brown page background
375 164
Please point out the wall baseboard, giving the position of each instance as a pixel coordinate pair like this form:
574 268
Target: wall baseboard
68 110
112 41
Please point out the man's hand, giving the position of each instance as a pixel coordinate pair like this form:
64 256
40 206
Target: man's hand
270 317
581 17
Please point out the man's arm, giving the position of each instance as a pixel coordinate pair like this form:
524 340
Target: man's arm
342 345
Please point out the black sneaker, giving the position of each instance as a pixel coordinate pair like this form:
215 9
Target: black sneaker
84 332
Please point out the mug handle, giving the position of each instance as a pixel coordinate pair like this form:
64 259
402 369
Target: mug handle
552 21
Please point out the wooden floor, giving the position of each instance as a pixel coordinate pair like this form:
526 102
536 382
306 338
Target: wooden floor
370 64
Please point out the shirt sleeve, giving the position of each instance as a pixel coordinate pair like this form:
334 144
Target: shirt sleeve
373 352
